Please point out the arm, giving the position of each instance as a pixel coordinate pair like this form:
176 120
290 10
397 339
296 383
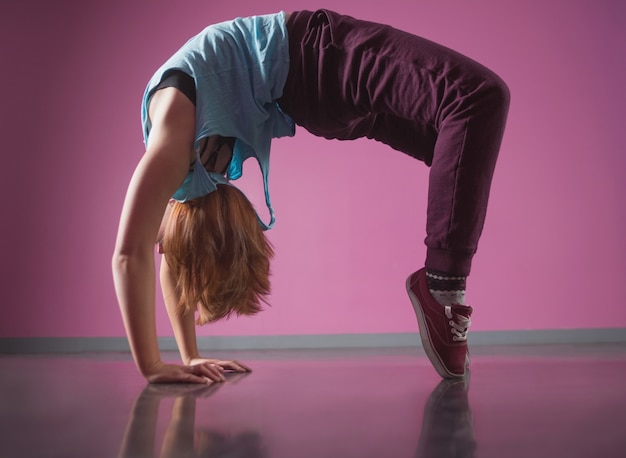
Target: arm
184 326
160 171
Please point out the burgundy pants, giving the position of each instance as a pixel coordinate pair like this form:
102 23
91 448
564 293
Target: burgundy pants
350 79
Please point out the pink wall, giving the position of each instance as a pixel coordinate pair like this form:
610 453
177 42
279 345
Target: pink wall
552 255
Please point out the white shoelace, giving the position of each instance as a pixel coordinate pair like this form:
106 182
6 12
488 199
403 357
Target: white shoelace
458 329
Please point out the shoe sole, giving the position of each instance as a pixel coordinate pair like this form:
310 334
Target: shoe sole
433 356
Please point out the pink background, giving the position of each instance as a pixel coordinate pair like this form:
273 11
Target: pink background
350 214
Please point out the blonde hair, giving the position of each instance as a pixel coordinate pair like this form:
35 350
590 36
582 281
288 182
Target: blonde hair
219 255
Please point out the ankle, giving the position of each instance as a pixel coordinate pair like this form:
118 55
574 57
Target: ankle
447 289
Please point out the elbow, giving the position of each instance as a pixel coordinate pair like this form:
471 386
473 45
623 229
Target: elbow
119 261
123 259
129 251
121 256
120 266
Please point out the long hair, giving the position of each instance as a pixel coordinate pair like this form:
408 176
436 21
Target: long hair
219 255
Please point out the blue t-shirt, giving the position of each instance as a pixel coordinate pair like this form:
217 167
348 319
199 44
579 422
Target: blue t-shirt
239 68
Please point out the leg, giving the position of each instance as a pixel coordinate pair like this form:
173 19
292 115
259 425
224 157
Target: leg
464 160
351 79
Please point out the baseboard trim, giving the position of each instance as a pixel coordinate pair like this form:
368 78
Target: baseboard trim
27 345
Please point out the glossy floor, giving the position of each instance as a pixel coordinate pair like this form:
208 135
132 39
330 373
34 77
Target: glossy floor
541 401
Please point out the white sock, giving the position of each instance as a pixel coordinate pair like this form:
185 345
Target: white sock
449 297
445 288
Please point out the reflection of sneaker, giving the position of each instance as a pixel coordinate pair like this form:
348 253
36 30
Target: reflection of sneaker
447 426
443 330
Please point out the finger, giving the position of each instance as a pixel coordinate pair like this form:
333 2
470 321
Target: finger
184 377
236 377
192 378
233 366
218 371
192 374
237 366
196 372
211 371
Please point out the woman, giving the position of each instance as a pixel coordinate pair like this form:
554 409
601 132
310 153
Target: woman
221 99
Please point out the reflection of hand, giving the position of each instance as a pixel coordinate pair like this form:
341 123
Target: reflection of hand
225 365
175 390
235 377
211 443
204 372
181 437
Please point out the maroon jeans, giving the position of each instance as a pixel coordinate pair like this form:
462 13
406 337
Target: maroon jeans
350 79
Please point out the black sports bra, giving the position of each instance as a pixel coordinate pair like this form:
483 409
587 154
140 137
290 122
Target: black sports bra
181 81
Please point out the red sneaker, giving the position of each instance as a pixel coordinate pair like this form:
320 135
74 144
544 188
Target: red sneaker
443 330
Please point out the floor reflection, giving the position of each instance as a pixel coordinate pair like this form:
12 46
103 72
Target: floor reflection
536 401
447 425
182 438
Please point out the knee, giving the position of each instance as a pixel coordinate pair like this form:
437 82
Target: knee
496 93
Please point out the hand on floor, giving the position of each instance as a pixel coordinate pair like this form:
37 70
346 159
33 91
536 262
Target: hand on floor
225 365
204 372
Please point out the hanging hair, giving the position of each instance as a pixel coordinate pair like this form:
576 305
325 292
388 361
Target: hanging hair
218 255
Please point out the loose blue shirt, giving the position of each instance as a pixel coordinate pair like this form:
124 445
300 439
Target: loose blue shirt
239 68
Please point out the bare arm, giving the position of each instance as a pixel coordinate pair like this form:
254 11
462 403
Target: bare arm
183 325
185 329
159 173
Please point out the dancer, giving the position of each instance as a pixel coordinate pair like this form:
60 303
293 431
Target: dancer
220 100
